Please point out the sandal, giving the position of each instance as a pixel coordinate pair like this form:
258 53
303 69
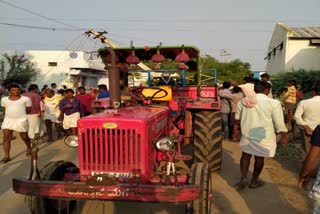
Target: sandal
257 184
28 152
5 160
241 184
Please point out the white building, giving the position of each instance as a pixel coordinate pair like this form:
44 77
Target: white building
70 68
293 48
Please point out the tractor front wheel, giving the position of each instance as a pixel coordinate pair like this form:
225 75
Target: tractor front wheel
207 132
200 176
53 171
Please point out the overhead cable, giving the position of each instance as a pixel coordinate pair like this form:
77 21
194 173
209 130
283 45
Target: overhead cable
39 27
42 16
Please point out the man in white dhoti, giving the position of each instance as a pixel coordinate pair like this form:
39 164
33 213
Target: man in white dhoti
259 123
34 115
15 108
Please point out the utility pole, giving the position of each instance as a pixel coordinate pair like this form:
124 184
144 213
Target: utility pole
103 39
224 53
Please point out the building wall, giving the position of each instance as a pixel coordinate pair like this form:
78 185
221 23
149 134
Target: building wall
60 74
296 53
276 62
301 55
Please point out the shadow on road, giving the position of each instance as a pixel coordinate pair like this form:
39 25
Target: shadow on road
119 207
266 199
19 167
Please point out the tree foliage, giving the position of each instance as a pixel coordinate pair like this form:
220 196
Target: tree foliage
17 69
227 71
305 80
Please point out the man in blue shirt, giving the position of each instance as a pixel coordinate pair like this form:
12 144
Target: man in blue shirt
103 91
72 110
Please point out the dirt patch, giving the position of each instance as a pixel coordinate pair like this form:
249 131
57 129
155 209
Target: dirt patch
284 170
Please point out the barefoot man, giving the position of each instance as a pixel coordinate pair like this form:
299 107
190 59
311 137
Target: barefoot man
15 108
259 121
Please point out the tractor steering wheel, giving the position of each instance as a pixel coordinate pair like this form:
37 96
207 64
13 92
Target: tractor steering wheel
138 93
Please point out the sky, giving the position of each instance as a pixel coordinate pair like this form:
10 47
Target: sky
243 29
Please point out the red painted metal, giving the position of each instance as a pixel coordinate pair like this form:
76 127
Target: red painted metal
186 98
151 193
121 143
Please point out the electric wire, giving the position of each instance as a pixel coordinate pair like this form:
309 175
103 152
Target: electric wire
83 43
67 48
38 27
42 16
73 41
135 29
197 20
146 40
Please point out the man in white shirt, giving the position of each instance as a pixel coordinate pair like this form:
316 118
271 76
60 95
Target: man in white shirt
259 123
15 108
307 115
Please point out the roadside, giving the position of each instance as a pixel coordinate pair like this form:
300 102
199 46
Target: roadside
284 170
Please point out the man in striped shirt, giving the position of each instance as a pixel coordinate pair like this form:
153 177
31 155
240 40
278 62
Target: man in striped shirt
290 100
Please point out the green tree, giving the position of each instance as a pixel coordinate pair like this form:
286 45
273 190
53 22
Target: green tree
305 80
226 71
17 69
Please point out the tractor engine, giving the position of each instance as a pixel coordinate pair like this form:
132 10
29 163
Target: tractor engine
121 144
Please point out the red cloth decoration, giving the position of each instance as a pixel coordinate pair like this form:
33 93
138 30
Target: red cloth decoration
183 66
158 57
182 57
133 59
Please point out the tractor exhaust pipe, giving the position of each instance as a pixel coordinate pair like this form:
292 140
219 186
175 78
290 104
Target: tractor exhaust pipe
114 80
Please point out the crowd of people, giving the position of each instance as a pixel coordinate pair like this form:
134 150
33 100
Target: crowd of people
32 113
251 108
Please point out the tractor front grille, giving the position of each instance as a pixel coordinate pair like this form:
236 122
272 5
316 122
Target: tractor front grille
109 150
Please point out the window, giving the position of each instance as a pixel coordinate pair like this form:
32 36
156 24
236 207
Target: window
52 64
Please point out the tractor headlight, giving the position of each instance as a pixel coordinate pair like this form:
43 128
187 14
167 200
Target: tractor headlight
164 144
71 141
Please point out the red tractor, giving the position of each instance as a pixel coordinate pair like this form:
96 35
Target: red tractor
160 144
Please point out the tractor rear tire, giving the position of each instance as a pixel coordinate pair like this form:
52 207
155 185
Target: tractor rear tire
200 176
53 171
207 131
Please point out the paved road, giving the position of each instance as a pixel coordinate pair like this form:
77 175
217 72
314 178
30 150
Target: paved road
227 200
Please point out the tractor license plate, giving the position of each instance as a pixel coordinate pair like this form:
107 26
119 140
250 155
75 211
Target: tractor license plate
114 174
